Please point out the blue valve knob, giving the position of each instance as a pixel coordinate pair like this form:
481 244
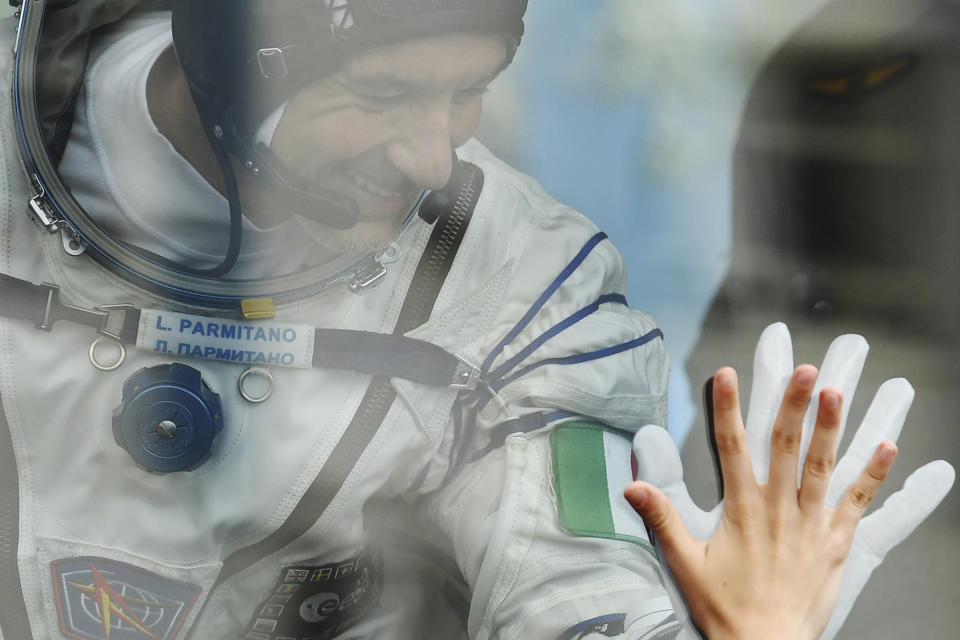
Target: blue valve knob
168 418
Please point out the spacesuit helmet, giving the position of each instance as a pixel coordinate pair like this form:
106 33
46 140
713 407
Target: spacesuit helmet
243 61
244 58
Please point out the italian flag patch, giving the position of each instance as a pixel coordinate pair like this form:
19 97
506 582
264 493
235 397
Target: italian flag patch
592 465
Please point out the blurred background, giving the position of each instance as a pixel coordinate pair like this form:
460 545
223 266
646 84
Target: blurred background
771 160
761 161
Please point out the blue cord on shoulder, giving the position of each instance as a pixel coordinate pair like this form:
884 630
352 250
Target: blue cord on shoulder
542 300
581 357
567 322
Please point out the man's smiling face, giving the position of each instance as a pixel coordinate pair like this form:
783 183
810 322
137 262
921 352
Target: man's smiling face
382 129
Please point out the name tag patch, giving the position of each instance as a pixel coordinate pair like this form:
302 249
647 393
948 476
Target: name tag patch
318 602
263 343
102 599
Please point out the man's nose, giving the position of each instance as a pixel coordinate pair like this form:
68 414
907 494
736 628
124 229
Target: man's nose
422 148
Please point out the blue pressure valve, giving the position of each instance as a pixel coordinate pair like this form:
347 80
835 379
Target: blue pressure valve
168 418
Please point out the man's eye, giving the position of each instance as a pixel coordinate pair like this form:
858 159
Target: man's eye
382 98
466 95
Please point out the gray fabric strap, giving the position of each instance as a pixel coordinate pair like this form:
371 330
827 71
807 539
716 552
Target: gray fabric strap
390 355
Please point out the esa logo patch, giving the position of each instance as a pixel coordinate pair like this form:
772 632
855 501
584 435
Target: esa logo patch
318 602
101 599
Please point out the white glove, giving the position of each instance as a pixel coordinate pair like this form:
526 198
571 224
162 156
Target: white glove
658 461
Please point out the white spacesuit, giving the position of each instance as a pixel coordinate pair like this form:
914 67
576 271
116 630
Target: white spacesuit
424 438
233 546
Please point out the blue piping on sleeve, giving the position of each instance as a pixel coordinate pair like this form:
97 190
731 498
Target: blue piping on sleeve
580 357
569 321
542 300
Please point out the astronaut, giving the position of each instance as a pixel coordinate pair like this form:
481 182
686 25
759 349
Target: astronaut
282 364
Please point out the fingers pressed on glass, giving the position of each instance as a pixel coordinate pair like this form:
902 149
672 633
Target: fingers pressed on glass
883 421
822 454
738 478
788 431
864 488
841 368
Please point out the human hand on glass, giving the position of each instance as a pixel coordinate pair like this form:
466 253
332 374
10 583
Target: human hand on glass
659 464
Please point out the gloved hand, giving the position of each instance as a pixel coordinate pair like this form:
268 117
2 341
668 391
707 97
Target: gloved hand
658 461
